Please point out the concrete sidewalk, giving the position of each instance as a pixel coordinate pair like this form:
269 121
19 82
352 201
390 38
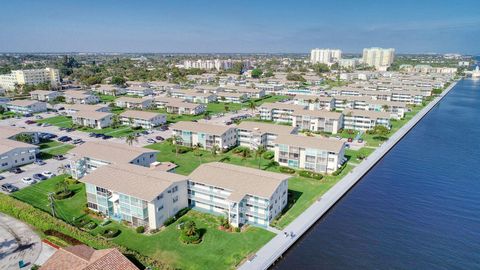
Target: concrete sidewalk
269 253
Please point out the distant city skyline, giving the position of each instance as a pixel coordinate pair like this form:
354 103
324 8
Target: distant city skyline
239 27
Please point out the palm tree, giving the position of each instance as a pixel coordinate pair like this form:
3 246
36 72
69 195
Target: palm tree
61 169
259 152
245 152
62 186
227 108
130 139
252 106
115 121
197 149
190 228
215 148
385 107
176 140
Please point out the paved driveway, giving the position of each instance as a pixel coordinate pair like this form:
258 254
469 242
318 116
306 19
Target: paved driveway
19 242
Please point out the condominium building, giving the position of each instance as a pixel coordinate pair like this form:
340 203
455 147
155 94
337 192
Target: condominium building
231 97
134 103
364 120
278 112
71 109
317 120
30 77
24 106
349 63
137 90
192 96
14 153
315 102
378 57
121 185
92 119
205 135
179 107
325 56
410 97
257 134
108 89
44 95
80 97
251 92
146 120
321 155
269 88
244 195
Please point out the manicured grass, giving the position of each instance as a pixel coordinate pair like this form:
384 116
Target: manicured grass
215 108
218 249
303 192
52 148
121 131
107 98
59 121
356 155
67 209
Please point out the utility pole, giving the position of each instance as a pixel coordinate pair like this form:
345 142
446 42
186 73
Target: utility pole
52 205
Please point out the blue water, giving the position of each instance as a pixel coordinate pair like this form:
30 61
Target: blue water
418 208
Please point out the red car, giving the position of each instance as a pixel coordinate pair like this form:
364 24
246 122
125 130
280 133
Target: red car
350 140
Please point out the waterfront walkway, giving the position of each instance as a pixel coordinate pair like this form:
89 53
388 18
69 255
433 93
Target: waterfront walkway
276 247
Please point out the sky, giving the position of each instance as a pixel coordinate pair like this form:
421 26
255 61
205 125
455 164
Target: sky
247 26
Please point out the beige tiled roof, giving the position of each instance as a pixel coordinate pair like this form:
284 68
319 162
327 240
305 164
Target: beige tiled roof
365 113
139 114
239 180
230 94
331 145
200 127
82 257
85 107
137 181
23 102
132 99
318 113
182 104
283 106
76 94
265 127
42 92
108 151
91 115
313 98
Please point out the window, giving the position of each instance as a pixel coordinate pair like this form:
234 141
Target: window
159 208
175 199
160 197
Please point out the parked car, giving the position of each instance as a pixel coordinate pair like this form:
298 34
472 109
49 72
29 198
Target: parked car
77 141
350 139
40 162
106 137
151 141
28 115
9 188
59 157
62 128
38 117
15 170
360 140
145 132
92 134
69 129
46 125
28 180
39 124
64 139
159 138
48 174
39 177
29 122
2 177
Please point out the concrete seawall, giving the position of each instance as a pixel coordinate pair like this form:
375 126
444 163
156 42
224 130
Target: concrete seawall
276 247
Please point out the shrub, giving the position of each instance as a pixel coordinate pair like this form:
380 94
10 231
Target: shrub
288 170
339 170
70 240
268 155
310 174
90 225
63 194
190 233
140 229
111 232
181 149
182 212
169 221
237 229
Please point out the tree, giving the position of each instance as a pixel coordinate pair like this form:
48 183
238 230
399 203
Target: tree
256 73
245 153
385 107
118 80
130 139
2 109
321 68
24 137
259 152
252 106
115 121
215 149
380 130
227 108
197 150
62 186
176 140
295 77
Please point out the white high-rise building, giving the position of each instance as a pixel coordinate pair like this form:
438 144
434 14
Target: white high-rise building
325 56
30 76
378 57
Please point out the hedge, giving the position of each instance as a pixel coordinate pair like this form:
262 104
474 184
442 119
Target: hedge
43 221
339 170
309 174
284 169
140 229
268 155
111 232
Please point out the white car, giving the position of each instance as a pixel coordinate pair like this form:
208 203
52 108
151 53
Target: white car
48 174
28 180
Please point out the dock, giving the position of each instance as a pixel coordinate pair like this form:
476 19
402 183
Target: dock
275 248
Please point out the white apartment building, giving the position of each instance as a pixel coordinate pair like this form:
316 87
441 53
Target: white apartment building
44 95
321 155
136 90
23 106
205 135
179 107
134 103
146 120
278 112
244 195
121 185
315 102
110 90
231 97
80 97
92 119
269 88
208 64
256 134
365 120
351 63
317 120
192 96
325 56
379 58
71 109
14 153
30 77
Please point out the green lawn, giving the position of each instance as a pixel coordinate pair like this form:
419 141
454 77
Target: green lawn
67 209
59 121
49 149
356 155
107 98
215 108
218 249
